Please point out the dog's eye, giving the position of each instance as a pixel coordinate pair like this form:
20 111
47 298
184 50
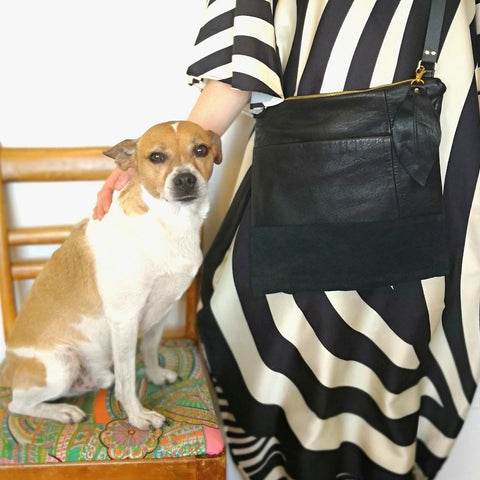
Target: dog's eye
157 157
201 150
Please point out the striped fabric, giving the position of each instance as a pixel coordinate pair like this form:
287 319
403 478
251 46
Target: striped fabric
373 384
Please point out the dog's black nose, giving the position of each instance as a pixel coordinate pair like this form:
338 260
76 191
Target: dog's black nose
185 182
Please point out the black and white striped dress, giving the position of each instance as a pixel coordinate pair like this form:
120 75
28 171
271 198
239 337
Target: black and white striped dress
375 383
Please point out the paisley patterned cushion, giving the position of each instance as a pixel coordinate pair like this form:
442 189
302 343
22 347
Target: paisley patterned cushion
106 434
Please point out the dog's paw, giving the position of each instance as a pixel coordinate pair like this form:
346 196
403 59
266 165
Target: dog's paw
66 413
60 412
161 376
147 420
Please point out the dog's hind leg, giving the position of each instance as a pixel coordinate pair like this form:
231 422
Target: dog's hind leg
31 390
97 362
149 347
29 403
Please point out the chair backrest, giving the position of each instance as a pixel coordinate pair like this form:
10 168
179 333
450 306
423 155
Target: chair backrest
47 165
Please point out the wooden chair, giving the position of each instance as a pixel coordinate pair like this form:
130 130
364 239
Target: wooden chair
190 447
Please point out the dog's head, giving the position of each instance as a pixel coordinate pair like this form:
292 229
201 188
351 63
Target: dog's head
173 160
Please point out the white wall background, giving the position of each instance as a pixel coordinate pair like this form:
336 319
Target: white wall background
98 71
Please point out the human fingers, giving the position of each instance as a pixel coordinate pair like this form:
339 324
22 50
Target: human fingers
104 196
104 201
123 178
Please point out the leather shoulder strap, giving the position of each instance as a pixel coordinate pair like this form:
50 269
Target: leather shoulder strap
432 37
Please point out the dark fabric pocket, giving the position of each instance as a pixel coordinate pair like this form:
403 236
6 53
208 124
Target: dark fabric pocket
347 256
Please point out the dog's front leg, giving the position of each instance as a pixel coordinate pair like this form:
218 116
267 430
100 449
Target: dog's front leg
124 340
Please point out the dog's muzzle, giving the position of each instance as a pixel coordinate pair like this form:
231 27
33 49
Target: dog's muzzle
185 186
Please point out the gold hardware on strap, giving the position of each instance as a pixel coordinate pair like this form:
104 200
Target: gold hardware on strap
419 71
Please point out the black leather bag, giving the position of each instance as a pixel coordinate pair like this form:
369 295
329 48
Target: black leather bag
346 188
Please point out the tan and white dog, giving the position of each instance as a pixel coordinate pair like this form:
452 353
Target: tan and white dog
115 280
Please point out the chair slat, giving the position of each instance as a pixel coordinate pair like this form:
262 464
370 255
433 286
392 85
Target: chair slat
47 164
26 270
38 235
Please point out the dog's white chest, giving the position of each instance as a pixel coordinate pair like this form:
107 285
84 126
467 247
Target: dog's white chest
143 264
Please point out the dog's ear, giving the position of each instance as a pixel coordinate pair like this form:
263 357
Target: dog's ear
217 146
123 153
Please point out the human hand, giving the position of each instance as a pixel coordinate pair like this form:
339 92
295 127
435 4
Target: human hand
116 181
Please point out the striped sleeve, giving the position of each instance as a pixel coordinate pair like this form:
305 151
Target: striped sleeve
236 44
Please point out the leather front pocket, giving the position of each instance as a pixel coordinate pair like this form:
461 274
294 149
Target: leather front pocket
324 182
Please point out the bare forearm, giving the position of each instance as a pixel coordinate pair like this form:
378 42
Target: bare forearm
217 106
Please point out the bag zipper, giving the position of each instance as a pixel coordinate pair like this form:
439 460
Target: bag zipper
336 94
419 71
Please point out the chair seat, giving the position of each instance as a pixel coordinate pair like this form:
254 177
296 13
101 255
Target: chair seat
192 429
